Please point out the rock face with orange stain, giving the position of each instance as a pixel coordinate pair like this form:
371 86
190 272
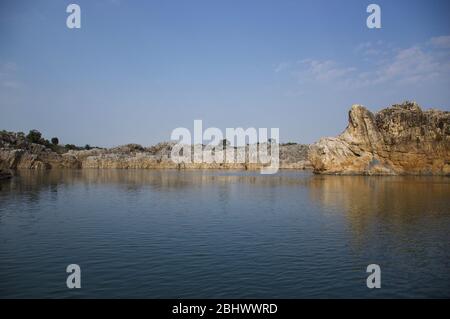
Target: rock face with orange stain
401 139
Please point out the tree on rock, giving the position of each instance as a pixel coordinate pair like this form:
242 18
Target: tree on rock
34 136
55 141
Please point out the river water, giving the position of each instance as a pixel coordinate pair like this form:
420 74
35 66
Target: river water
223 234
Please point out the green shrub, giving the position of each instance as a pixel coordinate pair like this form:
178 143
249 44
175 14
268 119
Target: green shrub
34 136
71 147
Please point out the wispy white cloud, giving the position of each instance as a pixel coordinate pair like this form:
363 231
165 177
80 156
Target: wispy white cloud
8 76
281 67
10 66
324 71
371 49
441 42
411 65
394 66
10 84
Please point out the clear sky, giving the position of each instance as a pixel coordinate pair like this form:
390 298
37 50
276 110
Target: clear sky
138 69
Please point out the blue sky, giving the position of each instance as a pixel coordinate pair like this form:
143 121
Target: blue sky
138 69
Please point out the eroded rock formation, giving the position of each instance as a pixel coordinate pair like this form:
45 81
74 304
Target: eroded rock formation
401 139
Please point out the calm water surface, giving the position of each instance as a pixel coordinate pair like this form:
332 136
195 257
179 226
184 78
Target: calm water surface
169 234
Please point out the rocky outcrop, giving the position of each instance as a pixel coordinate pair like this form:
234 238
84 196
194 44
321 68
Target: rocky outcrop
36 159
18 153
294 156
402 139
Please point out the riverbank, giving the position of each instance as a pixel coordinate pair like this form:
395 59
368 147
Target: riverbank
16 152
398 140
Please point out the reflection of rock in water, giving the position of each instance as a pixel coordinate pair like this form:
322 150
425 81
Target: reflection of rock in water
36 183
5 175
161 179
395 202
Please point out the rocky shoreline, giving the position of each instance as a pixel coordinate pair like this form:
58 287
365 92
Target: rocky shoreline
18 153
401 139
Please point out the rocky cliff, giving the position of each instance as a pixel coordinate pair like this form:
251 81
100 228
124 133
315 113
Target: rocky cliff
401 139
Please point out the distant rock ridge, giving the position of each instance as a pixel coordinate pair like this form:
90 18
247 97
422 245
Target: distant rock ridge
401 139
17 153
